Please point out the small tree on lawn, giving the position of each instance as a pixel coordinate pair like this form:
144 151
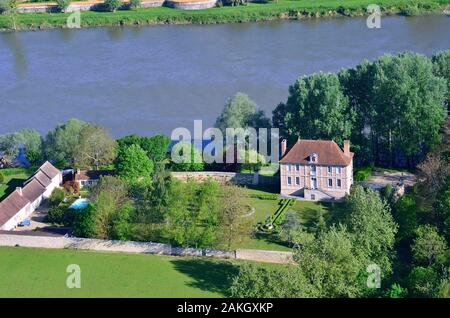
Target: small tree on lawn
234 224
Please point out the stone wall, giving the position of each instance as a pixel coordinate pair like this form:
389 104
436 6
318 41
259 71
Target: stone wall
139 247
227 177
97 5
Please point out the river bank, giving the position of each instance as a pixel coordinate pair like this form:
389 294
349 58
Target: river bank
253 12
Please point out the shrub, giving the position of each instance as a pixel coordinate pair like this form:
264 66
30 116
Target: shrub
55 215
112 5
2 177
363 173
57 197
62 5
410 10
134 4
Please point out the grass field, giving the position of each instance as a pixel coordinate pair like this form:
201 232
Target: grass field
272 10
14 177
26 272
307 211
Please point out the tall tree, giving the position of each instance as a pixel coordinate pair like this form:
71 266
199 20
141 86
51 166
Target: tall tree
96 148
429 248
241 112
133 164
371 221
316 109
441 68
408 103
62 144
234 222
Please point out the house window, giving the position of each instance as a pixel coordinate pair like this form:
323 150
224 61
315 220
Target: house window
289 180
338 170
288 168
330 169
297 167
313 170
339 183
330 183
313 157
297 180
313 196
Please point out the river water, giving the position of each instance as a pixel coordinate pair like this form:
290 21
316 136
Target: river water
152 79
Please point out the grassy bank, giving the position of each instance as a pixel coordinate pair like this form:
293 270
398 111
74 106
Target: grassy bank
273 10
27 272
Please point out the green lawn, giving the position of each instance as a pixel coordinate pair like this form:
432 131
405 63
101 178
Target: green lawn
281 9
26 272
307 211
14 177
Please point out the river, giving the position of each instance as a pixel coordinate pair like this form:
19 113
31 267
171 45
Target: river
152 79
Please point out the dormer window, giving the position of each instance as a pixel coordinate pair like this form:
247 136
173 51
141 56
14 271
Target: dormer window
313 157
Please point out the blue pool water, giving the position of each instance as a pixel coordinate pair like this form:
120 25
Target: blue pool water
80 204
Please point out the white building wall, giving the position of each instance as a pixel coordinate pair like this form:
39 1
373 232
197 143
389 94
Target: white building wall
19 217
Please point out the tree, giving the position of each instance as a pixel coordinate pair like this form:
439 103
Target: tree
135 4
441 68
58 195
191 217
442 210
370 220
407 94
255 281
62 144
185 157
112 5
316 109
396 291
292 231
406 216
423 282
96 148
62 5
31 141
332 264
251 160
241 112
133 164
9 7
435 171
429 248
156 147
234 224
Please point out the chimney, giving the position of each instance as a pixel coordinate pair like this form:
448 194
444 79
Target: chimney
283 147
19 190
347 147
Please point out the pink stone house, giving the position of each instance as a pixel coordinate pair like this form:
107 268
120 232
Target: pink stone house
316 170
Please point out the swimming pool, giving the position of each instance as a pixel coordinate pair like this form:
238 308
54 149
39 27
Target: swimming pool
79 204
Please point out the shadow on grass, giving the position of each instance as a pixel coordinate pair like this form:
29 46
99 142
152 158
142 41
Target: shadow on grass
208 275
269 238
11 186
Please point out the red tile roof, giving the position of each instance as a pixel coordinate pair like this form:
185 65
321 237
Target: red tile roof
11 205
32 189
327 151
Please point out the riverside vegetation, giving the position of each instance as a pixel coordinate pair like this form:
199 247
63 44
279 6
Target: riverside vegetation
258 10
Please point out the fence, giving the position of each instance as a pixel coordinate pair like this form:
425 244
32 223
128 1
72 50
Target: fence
139 247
